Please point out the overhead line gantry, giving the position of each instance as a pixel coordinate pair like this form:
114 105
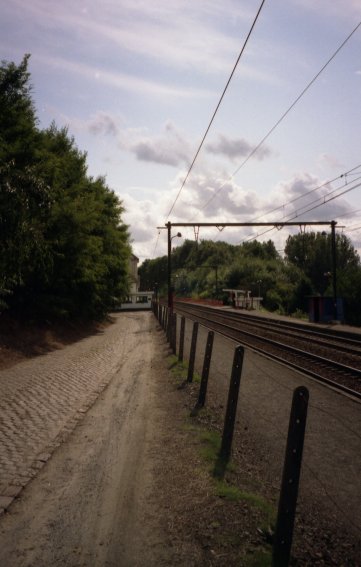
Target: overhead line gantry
277 224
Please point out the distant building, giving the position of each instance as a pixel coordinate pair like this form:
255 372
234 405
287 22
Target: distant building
133 274
135 299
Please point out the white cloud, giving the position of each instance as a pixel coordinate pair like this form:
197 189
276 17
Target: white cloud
171 148
305 197
164 34
143 217
145 150
329 160
344 9
233 204
236 148
209 197
165 31
119 80
104 124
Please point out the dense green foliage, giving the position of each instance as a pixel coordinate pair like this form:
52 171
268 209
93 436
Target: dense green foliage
64 247
311 253
203 270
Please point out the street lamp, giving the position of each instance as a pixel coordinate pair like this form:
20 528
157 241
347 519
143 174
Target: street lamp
334 280
156 290
259 287
333 271
170 238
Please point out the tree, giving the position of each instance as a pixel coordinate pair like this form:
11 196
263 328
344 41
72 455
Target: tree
66 248
86 239
153 274
312 254
283 284
18 131
263 250
24 196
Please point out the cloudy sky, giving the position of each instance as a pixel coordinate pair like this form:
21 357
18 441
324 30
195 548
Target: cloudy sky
137 82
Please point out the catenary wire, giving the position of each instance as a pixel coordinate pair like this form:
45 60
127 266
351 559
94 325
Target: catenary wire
282 117
307 193
217 107
350 213
284 205
324 198
290 218
352 228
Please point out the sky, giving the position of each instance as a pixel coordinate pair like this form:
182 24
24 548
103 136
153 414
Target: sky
137 83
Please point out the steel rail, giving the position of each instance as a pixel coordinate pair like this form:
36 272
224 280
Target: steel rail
229 332
352 339
299 333
294 350
324 334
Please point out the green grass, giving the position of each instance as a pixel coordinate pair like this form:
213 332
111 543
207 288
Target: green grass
261 558
180 370
233 493
259 502
210 445
228 491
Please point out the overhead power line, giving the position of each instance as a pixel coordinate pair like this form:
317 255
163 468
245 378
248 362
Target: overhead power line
280 207
349 214
282 117
217 107
326 200
352 228
342 176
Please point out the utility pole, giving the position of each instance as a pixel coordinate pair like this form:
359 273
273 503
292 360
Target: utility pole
334 277
170 289
170 294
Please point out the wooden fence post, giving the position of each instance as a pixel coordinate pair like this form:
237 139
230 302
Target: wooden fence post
169 326
174 333
290 479
230 418
205 371
165 320
192 355
181 339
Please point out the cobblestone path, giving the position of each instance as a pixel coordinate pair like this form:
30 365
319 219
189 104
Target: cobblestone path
42 399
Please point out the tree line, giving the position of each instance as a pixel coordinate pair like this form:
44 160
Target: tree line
202 270
64 246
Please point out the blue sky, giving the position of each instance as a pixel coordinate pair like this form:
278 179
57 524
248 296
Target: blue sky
137 82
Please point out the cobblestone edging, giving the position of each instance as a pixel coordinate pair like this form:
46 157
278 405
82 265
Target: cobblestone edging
42 399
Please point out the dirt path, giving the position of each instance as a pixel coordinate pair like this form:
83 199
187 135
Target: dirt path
131 486
88 506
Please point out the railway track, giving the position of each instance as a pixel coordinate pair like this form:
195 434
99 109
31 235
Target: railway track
330 356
